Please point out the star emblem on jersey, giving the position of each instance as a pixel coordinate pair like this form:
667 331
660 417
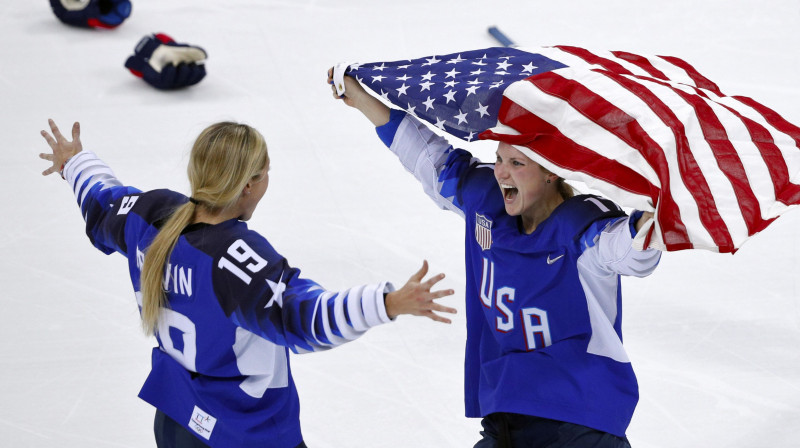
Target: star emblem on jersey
553 260
483 231
277 293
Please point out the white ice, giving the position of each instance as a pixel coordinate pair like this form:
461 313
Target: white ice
713 338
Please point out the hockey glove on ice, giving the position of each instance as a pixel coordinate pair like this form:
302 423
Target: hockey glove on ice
92 13
166 64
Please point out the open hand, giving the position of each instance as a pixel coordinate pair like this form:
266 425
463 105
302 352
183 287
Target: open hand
63 149
416 297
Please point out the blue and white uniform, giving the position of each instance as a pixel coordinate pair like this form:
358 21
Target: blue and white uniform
544 313
236 307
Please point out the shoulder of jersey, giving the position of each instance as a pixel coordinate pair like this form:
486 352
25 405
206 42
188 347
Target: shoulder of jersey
155 205
576 214
233 239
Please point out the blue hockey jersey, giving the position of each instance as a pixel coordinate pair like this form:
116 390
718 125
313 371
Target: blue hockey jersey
221 367
544 335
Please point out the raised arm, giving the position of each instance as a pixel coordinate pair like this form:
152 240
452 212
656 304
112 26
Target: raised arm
263 294
96 188
429 157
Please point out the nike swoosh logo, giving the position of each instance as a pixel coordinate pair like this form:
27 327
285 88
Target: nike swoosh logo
553 260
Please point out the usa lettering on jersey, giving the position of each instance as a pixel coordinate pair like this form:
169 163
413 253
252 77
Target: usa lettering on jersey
534 320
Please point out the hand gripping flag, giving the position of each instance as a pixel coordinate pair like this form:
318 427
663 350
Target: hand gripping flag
650 133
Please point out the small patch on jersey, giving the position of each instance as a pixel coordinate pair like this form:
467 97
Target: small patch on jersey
483 231
202 423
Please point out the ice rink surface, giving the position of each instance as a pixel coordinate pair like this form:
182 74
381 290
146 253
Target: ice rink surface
713 338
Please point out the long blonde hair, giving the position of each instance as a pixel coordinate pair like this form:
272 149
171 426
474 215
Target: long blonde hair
224 158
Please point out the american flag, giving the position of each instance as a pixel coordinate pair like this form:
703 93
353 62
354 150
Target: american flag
649 132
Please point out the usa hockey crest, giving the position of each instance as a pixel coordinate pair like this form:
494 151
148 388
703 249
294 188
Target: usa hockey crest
483 231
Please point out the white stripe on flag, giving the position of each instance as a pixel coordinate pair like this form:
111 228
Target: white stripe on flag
723 194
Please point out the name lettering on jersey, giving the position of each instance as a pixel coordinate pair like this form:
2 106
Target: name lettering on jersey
127 204
178 279
534 320
483 231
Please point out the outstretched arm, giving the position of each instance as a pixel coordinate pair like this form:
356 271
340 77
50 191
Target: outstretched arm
97 189
428 156
272 300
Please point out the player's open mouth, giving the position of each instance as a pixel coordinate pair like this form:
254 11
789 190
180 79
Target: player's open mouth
509 192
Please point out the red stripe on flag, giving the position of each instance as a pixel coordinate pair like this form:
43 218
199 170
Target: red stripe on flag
785 191
728 160
687 164
641 62
594 59
773 118
546 140
699 80
626 128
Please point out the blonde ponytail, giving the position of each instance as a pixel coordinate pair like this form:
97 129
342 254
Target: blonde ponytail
225 157
154 296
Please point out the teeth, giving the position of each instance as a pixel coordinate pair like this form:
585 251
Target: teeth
506 186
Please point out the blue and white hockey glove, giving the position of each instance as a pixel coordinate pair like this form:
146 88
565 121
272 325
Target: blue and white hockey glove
166 64
92 13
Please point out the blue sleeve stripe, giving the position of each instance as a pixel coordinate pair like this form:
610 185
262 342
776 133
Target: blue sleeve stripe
388 130
345 308
590 235
332 318
79 194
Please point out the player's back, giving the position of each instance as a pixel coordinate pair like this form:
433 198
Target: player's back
206 362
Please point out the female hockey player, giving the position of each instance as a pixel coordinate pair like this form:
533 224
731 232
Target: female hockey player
225 306
545 365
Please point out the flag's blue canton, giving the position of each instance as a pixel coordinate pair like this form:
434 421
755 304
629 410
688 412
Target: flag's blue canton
459 93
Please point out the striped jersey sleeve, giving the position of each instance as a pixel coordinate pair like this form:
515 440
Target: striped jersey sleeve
262 293
103 200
